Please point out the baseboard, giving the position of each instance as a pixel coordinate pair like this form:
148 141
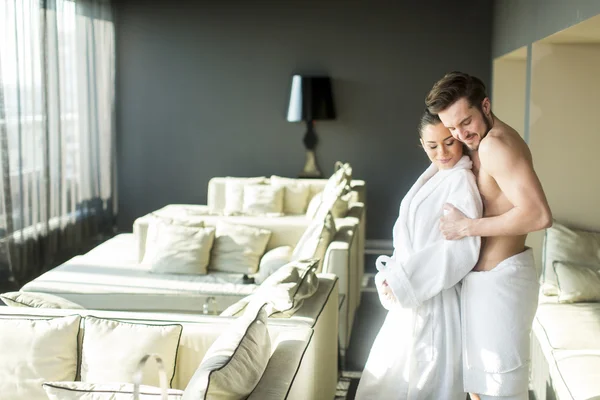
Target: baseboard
379 246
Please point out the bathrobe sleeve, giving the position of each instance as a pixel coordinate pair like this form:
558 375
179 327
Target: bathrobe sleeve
441 263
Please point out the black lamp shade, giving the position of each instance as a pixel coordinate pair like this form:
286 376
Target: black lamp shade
310 99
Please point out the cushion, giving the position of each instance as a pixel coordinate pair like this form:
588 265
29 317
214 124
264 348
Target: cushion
284 291
37 300
577 283
238 248
178 249
314 241
339 209
272 261
112 349
234 193
34 351
104 391
565 244
262 199
235 362
296 194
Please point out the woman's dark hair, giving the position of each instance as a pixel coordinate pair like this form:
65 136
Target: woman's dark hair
428 119
432 119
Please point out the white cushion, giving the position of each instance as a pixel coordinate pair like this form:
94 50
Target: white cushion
37 300
339 209
104 391
262 199
577 283
296 194
272 261
112 350
314 204
566 244
36 351
315 240
235 362
284 291
178 249
238 248
234 193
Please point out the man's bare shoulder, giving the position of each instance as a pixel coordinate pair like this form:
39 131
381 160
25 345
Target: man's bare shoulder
502 147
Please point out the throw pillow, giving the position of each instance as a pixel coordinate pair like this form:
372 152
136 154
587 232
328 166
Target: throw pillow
104 391
262 199
283 292
314 241
272 261
339 209
577 283
37 300
235 362
565 244
234 193
112 349
238 248
34 351
178 249
296 194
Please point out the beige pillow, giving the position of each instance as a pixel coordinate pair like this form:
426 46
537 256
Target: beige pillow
34 351
37 300
178 249
235 362
272 261
104 391
262 199
577 283
569 245
284 291
339 209
234 193
112 349
314 241
238 248
296 194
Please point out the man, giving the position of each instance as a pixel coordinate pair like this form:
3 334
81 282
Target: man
499 298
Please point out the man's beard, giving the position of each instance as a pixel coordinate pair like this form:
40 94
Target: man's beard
488 128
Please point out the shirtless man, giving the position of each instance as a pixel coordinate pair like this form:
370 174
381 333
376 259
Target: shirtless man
499 298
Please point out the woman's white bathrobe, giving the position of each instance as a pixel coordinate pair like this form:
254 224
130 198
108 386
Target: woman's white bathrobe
417 353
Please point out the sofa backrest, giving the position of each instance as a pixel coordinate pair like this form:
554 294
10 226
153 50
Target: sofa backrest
199 332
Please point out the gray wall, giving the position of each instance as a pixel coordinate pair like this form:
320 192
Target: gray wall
203 89
518 23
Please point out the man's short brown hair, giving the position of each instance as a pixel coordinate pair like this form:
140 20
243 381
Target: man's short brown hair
453 87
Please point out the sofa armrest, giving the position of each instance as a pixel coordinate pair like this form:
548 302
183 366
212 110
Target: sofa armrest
339 261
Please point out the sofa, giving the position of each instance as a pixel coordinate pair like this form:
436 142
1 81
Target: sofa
565 348
97 345
97 282
290 219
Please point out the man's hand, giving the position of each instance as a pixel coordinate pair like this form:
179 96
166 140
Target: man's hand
454 223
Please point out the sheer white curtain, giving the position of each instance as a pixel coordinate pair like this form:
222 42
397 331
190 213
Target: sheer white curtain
57 80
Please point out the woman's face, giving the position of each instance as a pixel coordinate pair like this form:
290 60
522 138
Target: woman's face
441 148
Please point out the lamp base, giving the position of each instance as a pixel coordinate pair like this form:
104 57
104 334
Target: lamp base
311 169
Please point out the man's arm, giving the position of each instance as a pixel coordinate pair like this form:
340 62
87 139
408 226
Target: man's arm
518 181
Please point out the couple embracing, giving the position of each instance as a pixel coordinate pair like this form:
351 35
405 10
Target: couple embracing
461 287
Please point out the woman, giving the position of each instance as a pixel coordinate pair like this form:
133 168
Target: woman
417 353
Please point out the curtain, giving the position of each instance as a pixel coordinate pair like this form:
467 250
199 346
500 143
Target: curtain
57 131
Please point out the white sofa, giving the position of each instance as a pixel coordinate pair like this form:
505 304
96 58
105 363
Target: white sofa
341 257
565 351
109 278
290 372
